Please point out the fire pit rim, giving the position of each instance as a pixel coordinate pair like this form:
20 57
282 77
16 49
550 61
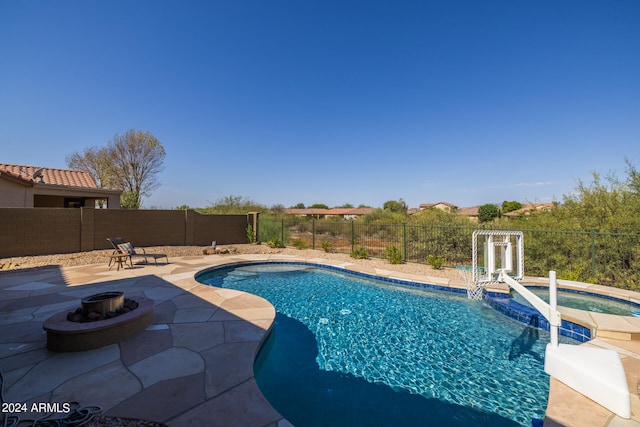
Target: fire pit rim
111 294
103 302
58 323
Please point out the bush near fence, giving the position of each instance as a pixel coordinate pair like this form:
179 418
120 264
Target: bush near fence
611 259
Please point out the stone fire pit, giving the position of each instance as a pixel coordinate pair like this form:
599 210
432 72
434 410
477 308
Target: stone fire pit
103 319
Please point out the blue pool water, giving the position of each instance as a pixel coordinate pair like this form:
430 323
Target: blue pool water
583 301
347 350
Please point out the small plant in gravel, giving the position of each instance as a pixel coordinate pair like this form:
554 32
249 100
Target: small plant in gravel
435 261
275 242
327 246
393 254
360 252
251 235
299 244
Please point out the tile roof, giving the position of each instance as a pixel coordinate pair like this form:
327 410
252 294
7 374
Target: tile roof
349 211
305 211
431 205
332 211
469 211
61 177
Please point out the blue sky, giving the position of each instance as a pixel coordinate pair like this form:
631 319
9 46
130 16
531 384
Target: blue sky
334 102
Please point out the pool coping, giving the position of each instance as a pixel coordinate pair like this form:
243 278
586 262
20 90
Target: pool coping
27 297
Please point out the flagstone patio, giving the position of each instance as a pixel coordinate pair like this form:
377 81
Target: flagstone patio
194 364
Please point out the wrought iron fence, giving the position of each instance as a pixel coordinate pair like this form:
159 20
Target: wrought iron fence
588 256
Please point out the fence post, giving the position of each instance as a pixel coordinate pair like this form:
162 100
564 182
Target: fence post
593 253
189 227
87 229
353 237
313 234
282 233
256 225
404 242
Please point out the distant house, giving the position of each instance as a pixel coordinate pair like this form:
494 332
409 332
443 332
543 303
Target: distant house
470 212
317 213
444 206
34 187
349 213
529 208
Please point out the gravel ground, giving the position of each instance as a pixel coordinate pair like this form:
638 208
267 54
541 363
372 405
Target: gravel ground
100 257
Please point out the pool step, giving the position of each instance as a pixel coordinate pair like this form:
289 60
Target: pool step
618 334
626 328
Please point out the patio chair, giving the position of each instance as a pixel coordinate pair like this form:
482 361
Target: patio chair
120 246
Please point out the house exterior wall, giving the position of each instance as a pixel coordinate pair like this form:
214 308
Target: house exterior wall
43 231
444 207
14 195
43 201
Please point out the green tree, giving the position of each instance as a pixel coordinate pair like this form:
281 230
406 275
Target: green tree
128 200
383 216
599 205
130 162
233 205
395 206
434 216
97 162
487 212
633 179
510 206
346 206
298 206
277 209
318 206
136 160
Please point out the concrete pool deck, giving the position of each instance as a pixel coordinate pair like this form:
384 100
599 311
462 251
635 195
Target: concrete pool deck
194 365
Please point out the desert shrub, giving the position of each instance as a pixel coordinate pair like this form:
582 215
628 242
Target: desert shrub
275 242
327 246
332 228
303 226
360 252
299 244
435 261
393 254
251 235
270 228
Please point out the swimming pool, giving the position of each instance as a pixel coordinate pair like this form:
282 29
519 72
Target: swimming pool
582 301
349 350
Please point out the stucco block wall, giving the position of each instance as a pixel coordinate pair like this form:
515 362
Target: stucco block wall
42 231
30 231
140 227
224 229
